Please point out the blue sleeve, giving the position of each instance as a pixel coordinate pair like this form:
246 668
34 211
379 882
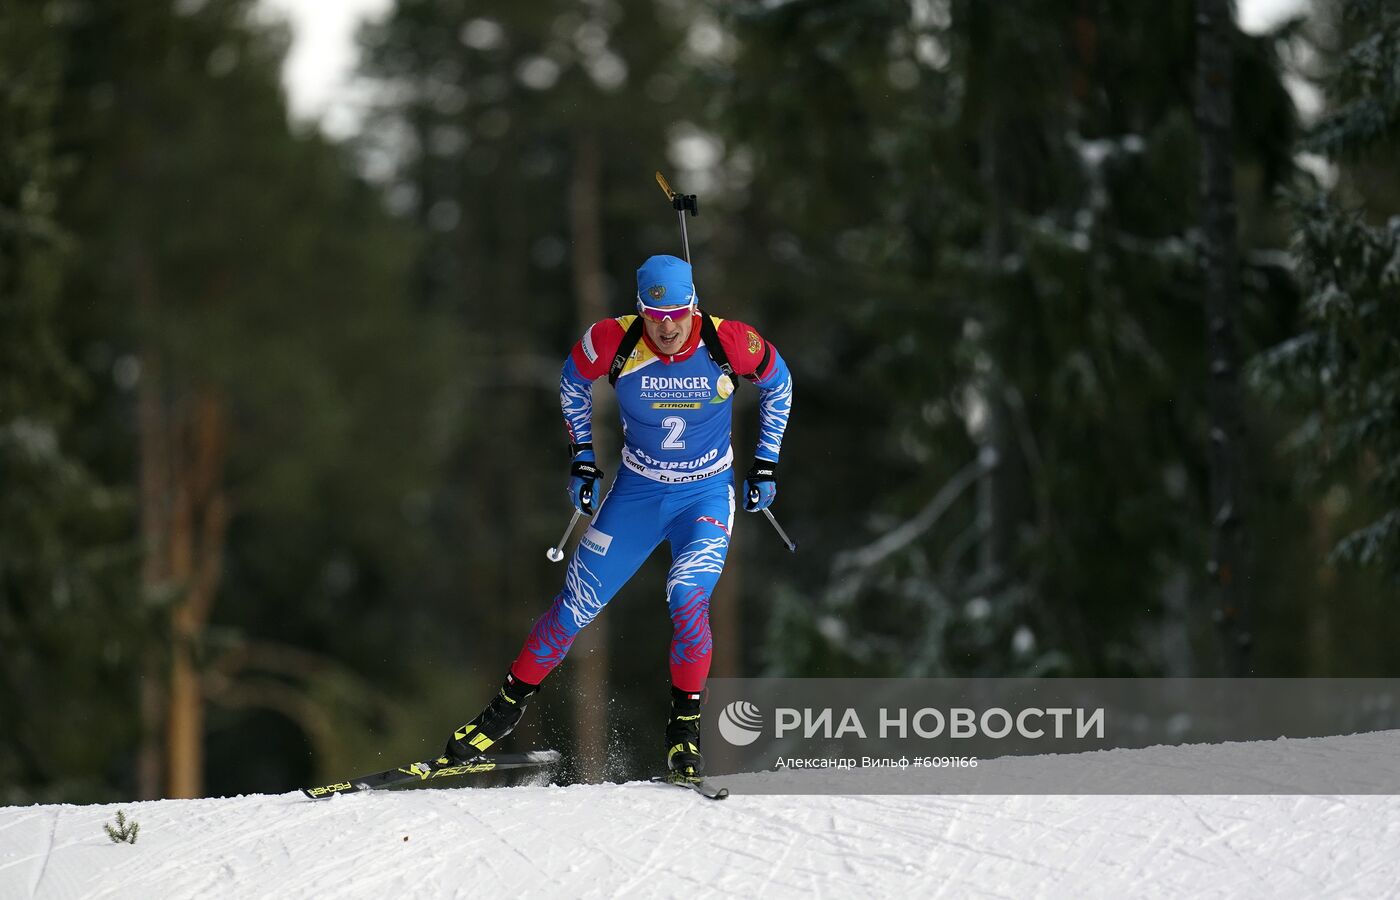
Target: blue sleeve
576 400
774 407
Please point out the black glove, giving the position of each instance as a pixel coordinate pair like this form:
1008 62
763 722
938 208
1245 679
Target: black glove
761 485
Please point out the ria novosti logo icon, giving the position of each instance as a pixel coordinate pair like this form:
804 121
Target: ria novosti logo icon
740 723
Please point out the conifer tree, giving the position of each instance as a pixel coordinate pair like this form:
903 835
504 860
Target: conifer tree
1342 370
67 621
999 252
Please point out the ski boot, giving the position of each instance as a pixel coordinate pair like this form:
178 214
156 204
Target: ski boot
493 723
683 757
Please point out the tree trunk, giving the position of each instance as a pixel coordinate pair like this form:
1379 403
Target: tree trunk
725 627
512 269
590 649
196 542
995 492
1219 264
183 523
155 568
724 613
1318 636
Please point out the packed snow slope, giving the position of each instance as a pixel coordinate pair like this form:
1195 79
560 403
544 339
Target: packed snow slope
645 840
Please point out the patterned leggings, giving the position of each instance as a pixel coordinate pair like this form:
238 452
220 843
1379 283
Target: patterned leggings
636 516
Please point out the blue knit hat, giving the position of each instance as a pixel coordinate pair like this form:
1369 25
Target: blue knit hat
665 281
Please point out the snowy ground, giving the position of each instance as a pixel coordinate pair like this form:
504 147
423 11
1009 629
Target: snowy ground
646 840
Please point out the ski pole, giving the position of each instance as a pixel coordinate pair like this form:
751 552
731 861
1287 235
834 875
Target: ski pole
556 553
680 203
792 548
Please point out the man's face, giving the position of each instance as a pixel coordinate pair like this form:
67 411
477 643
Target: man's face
670 335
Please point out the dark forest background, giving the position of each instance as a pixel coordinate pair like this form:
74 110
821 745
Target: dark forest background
1095 338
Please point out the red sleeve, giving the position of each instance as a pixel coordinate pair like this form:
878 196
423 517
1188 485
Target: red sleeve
748 352
594 352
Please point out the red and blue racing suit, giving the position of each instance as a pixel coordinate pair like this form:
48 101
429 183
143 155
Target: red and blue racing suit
672 486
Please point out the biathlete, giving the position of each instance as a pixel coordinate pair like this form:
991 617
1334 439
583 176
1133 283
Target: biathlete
671 365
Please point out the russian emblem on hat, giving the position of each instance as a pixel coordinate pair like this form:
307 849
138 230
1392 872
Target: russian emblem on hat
656 291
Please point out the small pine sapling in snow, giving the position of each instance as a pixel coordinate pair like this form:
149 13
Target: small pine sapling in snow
125 832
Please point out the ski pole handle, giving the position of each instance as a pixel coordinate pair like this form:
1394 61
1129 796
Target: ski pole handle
792 548
555 553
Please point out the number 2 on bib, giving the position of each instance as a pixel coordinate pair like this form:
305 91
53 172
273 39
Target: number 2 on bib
676 426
